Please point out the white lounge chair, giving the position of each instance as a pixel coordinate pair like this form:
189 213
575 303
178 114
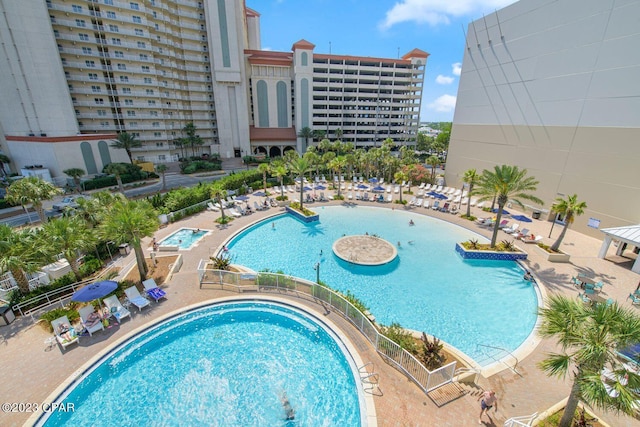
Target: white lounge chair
521 233
135 298
152 290
212 207
389 198
397 189
64 342
90 326
115 308
426 204
512 229
528 239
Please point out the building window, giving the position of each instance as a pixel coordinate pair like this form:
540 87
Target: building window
93 76
70 87
86 50
145 69
96 89
149 91
162 157
124 79
139 32
108 2
134 124
122 67
151 103
126 90
156 124
60 48
142 45
99 101
76 8
153 113
111 15
114 28
131 113
102 112
143 57
90 64
80 23
148 80
104 124
84 37
134 6
116 42
118 54
128 102
137 19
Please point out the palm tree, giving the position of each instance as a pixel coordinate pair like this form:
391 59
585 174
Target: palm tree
76 174
508 183
69 236
19 254
218 194
306 133
569 208
91 210
192 138
127 141
434 162
129 221
400 176
162 170
300 167
117 169
337 165
589 336
32 190
264 169
280 171
470 178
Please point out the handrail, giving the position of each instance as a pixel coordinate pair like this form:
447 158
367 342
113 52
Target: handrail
520 421
515 366
398 357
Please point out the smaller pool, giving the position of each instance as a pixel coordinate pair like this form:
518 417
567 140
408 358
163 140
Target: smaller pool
184 238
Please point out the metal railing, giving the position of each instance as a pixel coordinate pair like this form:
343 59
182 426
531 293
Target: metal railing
395 355
513 368
520 421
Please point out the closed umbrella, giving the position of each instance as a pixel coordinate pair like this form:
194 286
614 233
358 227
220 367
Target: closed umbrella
504 211
306 188
94 291
521 218
320 187
242 198
259 194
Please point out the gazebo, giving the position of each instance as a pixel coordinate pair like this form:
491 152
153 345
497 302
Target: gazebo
629 234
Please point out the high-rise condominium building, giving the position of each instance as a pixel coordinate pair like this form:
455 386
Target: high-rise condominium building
77 72
552 86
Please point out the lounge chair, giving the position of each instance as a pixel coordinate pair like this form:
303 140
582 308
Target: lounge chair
634 299
212 207
445 207
512 229
536 239
436 205
418 203
521 233
322 197
389 198
585 299
503 223
426 204
64 342
90 326
135 298
152 290
350 196
397 189
480 205
454 209
388 189
115 308
412 201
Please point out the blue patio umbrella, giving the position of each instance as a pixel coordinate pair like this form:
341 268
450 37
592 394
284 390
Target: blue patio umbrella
378 188
373 180
440 196
259 194
504 211
94 291
521 218
307 188
363 187
320 187
242 198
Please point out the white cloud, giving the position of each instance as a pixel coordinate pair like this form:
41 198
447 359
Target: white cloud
434 12
443 104
444 80
457 68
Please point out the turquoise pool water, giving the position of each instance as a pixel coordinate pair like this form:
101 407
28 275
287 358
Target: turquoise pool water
184 238
428 287
223 365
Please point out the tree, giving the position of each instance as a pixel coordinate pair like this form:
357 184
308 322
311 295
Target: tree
69 236
400 176
92 209
280 171
337 165
300 167
4 160
32 190
19 254
218 194
129 221
470 178
126 141
162 170
507 183
306 133
589 336
117 169
569 208
192 139
434 162
76 174
264 169
338 133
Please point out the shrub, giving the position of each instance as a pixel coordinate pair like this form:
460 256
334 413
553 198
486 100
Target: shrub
221 262
400 336
90 266
431 356
305 211
70 312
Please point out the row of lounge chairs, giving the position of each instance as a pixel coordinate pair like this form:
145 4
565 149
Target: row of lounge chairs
91 322
513 230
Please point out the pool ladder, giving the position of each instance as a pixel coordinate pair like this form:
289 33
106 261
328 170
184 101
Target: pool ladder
370 379
502 359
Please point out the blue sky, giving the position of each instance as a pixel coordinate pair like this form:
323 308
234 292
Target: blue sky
380 28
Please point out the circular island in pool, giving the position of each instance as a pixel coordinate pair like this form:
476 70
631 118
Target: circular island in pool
364 250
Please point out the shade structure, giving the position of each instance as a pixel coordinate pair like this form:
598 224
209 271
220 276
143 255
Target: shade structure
363 187
306 188
94 291
378 188
440 196
259 194
521 218
504 211
242 198
373 180
320 187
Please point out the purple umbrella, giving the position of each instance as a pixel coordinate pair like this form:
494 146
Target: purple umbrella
94 291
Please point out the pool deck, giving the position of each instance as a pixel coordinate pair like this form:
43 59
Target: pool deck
32 371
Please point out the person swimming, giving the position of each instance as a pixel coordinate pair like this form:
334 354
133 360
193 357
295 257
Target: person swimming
290 414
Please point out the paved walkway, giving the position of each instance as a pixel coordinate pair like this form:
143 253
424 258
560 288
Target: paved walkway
31 371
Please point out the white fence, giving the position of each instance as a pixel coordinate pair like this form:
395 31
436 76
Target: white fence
395 355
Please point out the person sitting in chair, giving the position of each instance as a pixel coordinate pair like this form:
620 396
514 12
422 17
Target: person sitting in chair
66 331
92 319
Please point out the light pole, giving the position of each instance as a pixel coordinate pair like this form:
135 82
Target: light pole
316 267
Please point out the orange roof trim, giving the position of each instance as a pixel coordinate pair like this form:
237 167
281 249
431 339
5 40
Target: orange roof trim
70 138
416 53
303 44
272 134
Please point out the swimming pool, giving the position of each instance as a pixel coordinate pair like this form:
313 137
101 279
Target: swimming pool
184 238
473 305
229 365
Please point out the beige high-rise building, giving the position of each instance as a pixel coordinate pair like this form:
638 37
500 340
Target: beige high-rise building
78 72
552 86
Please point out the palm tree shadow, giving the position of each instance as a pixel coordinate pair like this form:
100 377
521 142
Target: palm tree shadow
313 230
552 279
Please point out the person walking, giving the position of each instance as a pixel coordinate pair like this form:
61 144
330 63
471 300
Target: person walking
488 400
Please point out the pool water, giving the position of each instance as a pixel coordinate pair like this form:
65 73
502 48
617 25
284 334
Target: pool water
184 238
428 287
224 365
